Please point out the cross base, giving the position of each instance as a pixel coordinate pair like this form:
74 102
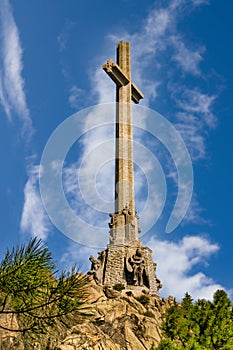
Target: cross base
128 265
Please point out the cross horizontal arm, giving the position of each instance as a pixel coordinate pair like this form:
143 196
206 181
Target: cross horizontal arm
115 73
118 76
137 95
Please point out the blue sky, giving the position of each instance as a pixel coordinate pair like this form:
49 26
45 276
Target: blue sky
50 68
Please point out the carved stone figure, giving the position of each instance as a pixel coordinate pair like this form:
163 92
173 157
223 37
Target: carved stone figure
128 215
95 269
113 220
138 267
158 283
102 257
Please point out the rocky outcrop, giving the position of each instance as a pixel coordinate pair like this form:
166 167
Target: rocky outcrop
123 320
9 339
116 320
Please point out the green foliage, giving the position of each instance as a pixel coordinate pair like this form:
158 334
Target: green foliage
187 302
153 346
201 325
119 287
143 299
149 314
166 345
29 290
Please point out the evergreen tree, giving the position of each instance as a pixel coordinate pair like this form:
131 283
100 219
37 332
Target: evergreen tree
222 325
202 325
30 291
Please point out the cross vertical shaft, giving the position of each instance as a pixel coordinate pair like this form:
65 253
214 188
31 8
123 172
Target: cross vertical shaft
124 222
124 174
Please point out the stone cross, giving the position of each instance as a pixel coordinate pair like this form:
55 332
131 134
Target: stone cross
125 261
124 228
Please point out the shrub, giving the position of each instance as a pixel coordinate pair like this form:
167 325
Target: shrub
119 287
149 314
143 299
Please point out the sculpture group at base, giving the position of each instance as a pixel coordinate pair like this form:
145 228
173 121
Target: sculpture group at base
136 265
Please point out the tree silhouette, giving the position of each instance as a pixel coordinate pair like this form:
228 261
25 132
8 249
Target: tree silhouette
30 292
201 325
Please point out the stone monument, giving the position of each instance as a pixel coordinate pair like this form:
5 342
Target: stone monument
126 260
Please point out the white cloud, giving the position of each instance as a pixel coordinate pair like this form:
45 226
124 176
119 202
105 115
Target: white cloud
200 2
157 39
12 95
89 197
194 101
150 45
3 99
76 97
34 220
187 59
156 34
189 127
195 118
64 36
102 86
145 47
195 212
156 44
175 264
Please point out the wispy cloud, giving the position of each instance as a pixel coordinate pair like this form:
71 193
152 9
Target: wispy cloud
155 48
12 94
175 264
76 97
162 59
200 2
158 41
189 60
65 34
194 101
195 212
156 38
189 127
34 220
195 118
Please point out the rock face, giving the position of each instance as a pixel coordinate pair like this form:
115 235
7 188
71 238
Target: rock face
116 320
9 339
120 320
